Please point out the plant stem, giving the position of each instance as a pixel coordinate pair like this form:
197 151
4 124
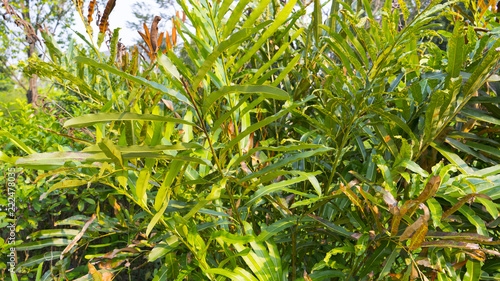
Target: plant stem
203 128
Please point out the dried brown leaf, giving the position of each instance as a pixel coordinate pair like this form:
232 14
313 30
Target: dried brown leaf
459 265
430 188
96 275
425 262
154 34
306 276
160 39
107 276
450 244
113 253
476 254
104 23
91 10
167 41
414 272
412 228
351 195
462 201
491 252
78 236
174 32
245 168
146 30
396 220
418 237
249 144
459 236
168 104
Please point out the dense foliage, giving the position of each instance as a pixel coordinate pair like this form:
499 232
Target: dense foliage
274 144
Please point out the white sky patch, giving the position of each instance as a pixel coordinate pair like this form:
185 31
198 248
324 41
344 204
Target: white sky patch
118 18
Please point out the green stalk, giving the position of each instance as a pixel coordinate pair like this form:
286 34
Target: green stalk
203 126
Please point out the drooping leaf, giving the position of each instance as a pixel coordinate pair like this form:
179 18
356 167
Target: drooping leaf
265 91
91 119
139 80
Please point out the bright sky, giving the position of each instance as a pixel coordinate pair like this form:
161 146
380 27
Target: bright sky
118 18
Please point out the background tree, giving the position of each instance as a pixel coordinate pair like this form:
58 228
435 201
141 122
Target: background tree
21 27
144 12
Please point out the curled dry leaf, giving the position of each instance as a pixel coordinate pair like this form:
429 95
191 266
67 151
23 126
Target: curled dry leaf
476 254
249 144
398 215
427 214
154 35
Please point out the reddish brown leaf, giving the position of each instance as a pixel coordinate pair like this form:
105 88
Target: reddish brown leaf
160 39
174 33
167 41
457 266
230 128
91 10
104 23
146 30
